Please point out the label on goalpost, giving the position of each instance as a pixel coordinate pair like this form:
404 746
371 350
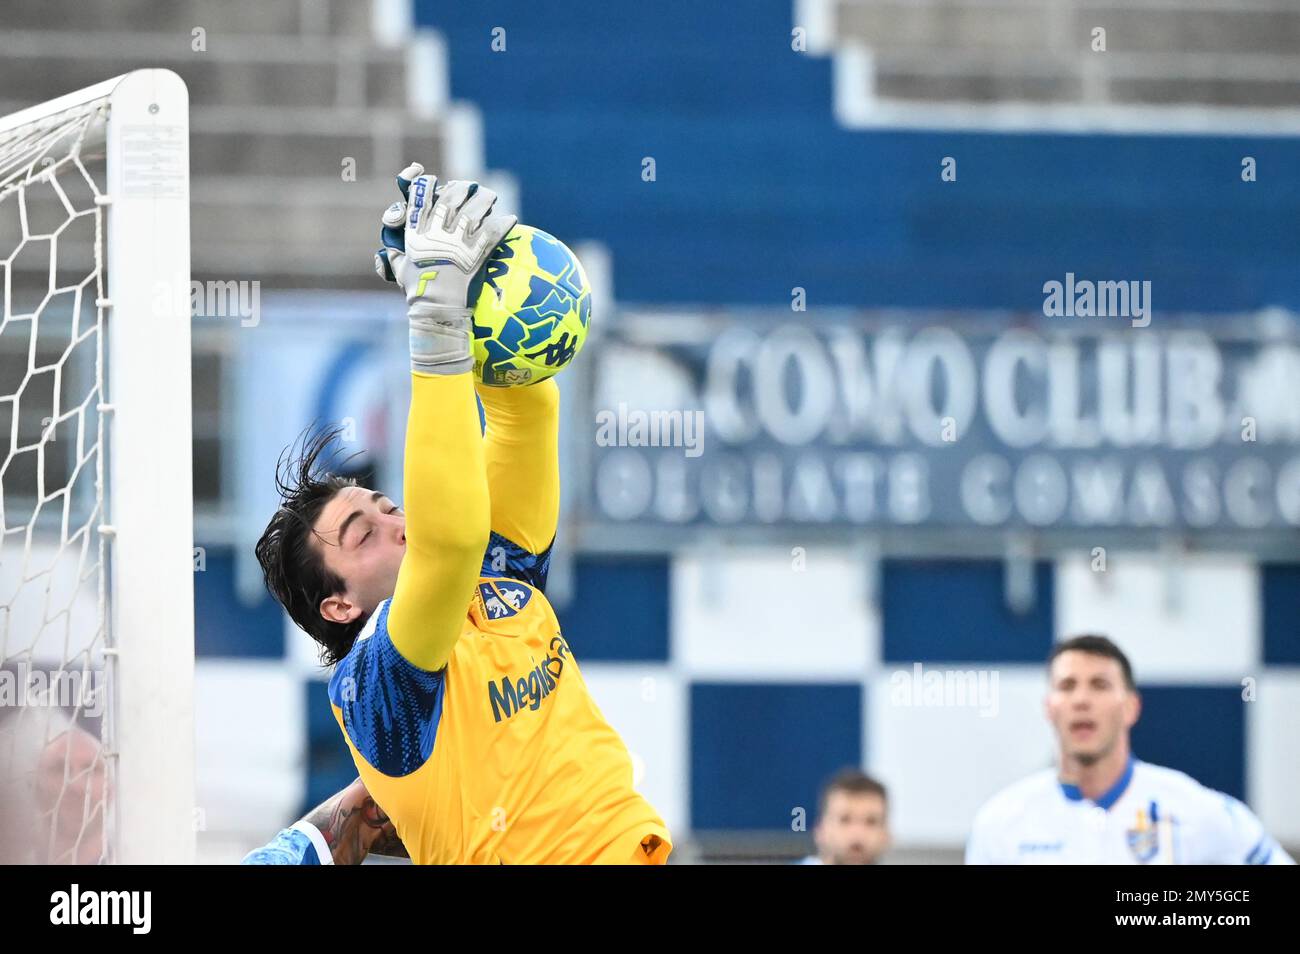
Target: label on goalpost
154 161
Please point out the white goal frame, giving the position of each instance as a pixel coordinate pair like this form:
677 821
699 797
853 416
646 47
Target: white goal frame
147 523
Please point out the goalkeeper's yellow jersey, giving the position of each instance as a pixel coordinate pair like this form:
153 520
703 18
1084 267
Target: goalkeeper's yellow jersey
502 757
472 727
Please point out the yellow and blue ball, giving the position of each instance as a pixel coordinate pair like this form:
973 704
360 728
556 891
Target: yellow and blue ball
532 306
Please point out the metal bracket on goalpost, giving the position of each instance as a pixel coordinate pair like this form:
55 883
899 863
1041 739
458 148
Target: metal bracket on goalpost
150 515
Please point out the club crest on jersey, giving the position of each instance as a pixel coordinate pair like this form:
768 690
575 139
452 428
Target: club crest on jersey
1143 839
502 598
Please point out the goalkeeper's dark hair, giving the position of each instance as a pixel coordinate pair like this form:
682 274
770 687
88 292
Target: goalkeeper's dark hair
294 570
1096 645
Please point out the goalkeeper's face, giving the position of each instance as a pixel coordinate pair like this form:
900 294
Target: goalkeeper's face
361 535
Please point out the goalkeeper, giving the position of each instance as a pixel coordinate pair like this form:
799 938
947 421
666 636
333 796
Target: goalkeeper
460 701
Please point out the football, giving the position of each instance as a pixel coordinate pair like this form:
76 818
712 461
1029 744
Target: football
532 306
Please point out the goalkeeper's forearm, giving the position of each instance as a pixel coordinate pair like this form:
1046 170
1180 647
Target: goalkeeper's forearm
342 830
447 518
523 461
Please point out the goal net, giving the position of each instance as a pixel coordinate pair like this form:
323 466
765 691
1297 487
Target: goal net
96 584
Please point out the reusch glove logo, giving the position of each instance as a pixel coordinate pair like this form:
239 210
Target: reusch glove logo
417 200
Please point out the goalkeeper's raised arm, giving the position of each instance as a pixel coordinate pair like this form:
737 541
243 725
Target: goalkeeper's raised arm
445 237
521 444
334 554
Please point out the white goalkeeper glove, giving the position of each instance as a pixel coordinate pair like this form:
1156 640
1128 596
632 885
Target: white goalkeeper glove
435 241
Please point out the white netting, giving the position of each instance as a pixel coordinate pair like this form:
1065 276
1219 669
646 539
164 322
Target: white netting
54 771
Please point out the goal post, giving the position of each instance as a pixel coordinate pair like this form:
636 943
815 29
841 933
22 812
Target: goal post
151 504
96 554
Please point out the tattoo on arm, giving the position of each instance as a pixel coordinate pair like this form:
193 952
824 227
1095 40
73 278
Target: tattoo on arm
353 826
389 845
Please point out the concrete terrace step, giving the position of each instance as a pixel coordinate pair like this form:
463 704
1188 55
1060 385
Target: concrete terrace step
1191 28
1180 26
238 225
889 24
283 92
376 148
1244 92
239 229
228 17
297 72
907 79
1128 78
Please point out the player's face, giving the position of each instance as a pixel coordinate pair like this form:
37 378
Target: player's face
71 780
1089 704
362 536
852 830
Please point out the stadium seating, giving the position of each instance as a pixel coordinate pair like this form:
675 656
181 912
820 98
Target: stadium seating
862 218
280 95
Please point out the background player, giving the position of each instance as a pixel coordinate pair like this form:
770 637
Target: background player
1101 805
465 713
852 821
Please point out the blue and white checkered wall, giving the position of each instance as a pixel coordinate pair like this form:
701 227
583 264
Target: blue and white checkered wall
740 682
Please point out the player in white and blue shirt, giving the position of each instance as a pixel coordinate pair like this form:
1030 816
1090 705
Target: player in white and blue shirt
1101 805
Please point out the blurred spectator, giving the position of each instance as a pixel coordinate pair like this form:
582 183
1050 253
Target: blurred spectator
852 821
53 783
71 789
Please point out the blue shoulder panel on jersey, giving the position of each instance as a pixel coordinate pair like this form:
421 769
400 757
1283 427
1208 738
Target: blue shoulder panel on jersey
1261 853
506 558
287 848
391 707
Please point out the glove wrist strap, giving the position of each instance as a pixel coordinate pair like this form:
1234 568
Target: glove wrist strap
439 338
